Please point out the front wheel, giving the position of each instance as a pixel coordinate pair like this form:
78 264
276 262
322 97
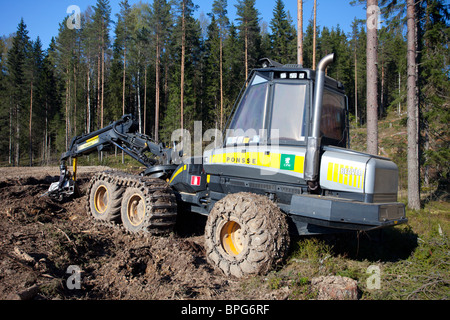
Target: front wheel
246 234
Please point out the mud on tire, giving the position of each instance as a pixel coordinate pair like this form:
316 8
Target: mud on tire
246 234
104 198
145 205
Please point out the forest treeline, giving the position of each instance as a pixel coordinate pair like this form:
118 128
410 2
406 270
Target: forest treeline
168 69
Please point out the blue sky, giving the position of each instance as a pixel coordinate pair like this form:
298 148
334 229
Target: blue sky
42 17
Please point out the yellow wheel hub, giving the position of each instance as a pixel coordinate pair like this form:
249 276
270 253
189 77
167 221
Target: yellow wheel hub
136 210
101 198
231 238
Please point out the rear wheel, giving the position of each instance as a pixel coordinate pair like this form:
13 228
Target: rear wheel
104 198
246 234
148 205
134 210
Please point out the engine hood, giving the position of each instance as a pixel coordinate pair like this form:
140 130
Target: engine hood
352 171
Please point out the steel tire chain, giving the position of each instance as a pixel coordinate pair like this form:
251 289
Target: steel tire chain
150 187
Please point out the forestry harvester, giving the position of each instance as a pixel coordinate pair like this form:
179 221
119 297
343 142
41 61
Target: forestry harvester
284 166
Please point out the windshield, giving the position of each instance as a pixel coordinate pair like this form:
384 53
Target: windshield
249 117
288 114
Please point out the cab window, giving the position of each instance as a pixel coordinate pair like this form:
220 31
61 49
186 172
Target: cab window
332 123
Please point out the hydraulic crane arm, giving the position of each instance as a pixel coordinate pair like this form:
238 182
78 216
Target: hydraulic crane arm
124 135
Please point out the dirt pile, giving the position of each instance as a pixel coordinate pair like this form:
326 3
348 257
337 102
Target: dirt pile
113 264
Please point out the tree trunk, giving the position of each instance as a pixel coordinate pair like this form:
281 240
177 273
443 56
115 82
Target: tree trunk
314 37
99 65
145 99
139 100
372 78
123 89
74 101
183 50
300 32
157 85
45 158
221 84
11 111
67 109
246 53
123 80
30 136
103 78
88 105
413 147
356 86
17 159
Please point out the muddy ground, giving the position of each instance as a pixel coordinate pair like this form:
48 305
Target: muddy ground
40 239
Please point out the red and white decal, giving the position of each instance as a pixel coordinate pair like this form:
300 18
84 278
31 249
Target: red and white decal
195 180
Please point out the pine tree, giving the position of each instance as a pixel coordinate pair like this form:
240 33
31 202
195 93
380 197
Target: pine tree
88 45
121 45
34 66
184 72
17 56
65 49
161 25
249 33
213 81
219 9
283 35
308 44
413 143
50 100
233 71
356 45
434 94
4 103
101 21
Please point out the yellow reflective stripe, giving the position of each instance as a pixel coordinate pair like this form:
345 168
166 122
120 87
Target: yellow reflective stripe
330 171
88 143
341 176
347 175
74 165
335 172
259 159
92 139
177 173
299 164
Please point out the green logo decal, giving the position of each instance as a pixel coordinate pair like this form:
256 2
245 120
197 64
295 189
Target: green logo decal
287 162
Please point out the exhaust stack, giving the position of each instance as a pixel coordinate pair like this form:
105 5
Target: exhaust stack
313 147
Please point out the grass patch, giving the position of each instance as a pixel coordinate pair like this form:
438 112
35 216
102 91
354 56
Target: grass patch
412 260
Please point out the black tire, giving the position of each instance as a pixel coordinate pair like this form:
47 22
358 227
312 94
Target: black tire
246 234
148 205
104 198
